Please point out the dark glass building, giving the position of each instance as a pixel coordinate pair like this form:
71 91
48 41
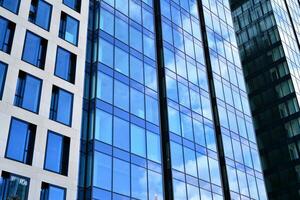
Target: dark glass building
268 39
165 113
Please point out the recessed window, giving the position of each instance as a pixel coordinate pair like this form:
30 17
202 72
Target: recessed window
40 13
57 153
13 186
65 66
61 106
68 29
20 143
7 30
35 48
11 5
28 92
3 69
52 192
74 4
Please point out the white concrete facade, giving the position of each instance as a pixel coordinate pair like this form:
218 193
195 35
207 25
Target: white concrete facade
35 172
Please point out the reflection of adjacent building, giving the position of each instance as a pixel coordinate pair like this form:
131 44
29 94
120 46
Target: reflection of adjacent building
268 39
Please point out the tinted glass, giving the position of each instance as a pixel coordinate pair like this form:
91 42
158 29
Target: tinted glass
42 14
53 158
3 68
13 6
56 193
64 107
65 65
74 4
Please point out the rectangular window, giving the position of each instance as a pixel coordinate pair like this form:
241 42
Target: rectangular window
3 69
65 66
7 30
35 48
13 186
68 29
10 5
74 4
57 153
61 106
40 13
49 192
28 92
20 144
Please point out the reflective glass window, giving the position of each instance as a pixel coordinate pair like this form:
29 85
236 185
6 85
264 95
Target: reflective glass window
52 192
3 69
121 177
74 4
104 87
103 126
138 140
65 65
10 5
121 133
7 30
28 92
177 156
40 13
105 52
102 175
68 29
20 144
34 51
138 182
13 186
153 147
121 95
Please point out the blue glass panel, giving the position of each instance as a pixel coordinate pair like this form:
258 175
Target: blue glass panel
174 120
31 94
31 51
177 156
64 107
121 61
135 11
137 103
121 133
121 95
190 162
121 177
74 4
179 190
136 39
210 138
106 21
64 65
122 6
150 77
104 87
153 147
192 192
138 141
149 46
172 88
155 185
214 171
103 126
199 133
148 20
11 5
71 33
102 171
203 170
121 30
3 69
138 182
152 110
136 69
56 193
18 140
53 157
105 52
43 14
187 127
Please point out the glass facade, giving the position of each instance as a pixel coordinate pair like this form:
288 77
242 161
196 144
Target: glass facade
268 41
165 113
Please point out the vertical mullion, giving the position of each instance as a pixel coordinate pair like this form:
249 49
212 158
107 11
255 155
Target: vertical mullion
221 156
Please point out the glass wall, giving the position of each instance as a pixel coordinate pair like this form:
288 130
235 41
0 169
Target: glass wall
194 156
124 120
241 155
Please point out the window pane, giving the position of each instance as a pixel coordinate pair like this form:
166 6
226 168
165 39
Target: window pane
11 5
138 141
155 185
56 193
33 49
152 110
16 187
203 167
105 52
150 77
53 157
136 39
121 61
121 95
177 156
121 133
136 69
121 30
153 147
75 4
7 29
64 108
65 65
186 127
42 14
103 126
106 21
121 177
138 182
137 103
102 171
104 87
190 162
3 68
31 96
174 120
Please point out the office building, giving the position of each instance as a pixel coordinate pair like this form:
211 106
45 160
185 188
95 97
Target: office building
268 39
124 99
